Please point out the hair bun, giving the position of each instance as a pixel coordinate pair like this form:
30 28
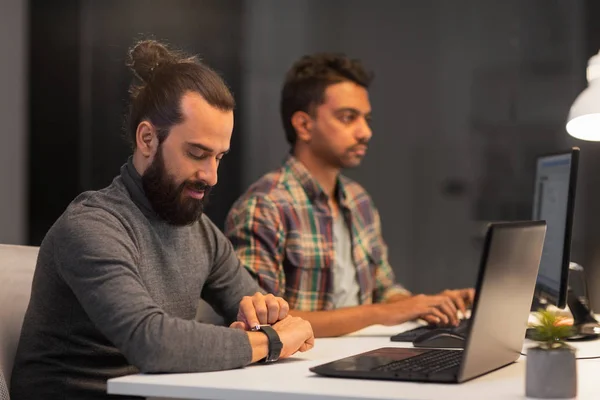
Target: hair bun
147 56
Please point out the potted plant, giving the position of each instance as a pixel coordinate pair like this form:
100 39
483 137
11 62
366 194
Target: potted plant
551 370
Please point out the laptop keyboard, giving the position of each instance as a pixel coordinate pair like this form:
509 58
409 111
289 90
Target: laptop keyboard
426 363
412 334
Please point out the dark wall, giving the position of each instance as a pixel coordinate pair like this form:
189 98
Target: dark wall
54 111
79 88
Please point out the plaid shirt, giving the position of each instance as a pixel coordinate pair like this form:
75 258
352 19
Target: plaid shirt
282 230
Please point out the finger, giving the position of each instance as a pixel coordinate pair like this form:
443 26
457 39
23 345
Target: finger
308 343
454 309
307 346
457 298
446 299
248 312
272 309
443 303
430 313
470 296
431 319
439 314
448 308
304 347
242 318
260 308
434 316
238 325
284 308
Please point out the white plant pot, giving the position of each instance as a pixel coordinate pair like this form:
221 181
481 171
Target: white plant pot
551 374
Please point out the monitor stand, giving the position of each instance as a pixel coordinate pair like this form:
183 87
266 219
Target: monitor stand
586 326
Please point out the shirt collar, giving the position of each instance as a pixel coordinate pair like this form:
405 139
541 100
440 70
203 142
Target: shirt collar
313 190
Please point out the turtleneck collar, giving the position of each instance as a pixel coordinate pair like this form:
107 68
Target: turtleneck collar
133 183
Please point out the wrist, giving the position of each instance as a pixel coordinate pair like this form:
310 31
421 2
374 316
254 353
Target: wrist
275 345
377 314
260 345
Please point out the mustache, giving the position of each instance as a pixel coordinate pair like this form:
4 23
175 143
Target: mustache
362 143
198 186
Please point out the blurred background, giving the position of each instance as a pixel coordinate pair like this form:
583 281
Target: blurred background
466 94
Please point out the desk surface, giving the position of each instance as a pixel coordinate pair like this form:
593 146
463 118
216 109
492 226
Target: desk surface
291 380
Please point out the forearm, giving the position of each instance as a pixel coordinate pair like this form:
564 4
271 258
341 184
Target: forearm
168 344
342 321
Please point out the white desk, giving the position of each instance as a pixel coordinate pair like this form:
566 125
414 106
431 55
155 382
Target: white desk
291 380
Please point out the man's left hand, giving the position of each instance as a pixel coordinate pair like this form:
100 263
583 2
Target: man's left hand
261 310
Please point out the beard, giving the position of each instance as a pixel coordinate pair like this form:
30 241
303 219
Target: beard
347 159
350 159
168 198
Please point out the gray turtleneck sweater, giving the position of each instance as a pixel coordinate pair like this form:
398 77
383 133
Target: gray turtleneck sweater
115 292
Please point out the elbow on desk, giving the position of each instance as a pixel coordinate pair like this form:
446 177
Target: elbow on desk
147 355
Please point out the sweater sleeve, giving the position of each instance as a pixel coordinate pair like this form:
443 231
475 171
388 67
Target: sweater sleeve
98 259
228 281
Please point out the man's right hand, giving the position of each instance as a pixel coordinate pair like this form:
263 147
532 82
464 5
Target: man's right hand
296 334
437 309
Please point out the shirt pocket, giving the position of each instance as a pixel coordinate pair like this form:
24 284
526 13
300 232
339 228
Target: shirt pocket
369 249
308 263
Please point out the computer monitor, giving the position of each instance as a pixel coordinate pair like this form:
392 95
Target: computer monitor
554 202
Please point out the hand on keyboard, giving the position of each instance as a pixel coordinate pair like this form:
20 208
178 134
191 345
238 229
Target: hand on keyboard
412 334
462 298
434 325
435 309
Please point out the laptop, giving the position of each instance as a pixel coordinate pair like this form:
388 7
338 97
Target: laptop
504 291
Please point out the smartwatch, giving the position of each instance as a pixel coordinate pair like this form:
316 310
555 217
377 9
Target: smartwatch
275 344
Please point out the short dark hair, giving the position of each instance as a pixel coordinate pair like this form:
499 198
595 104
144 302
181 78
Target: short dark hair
163 77
306 81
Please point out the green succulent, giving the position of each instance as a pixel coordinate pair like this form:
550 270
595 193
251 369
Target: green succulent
550 330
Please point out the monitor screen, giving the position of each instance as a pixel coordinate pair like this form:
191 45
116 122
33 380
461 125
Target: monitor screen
553 201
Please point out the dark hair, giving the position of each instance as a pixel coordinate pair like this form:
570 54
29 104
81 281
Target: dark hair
306 81
163 77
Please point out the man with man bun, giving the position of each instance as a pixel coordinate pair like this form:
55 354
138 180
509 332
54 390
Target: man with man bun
120 273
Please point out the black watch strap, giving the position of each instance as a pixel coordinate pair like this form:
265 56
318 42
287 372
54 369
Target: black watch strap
275 344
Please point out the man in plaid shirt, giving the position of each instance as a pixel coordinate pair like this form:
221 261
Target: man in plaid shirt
313 236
